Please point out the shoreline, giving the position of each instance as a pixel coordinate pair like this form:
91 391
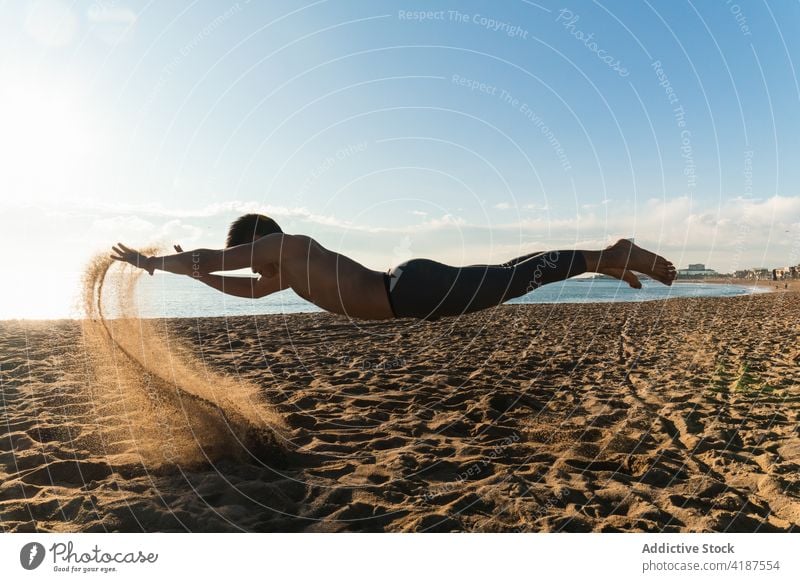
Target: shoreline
762 286
791 285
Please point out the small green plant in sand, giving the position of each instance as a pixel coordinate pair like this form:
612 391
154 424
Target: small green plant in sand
749 383
720 379
744 381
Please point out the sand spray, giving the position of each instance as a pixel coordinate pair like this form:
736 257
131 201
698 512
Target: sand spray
155 401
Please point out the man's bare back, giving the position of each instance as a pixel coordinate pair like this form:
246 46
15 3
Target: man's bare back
335 282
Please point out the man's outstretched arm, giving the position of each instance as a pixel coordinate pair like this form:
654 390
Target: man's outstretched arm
247 287
267 249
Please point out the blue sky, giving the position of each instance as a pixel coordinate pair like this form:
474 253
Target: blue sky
461 131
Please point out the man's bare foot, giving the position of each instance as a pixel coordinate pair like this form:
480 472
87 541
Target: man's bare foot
624 256
624 275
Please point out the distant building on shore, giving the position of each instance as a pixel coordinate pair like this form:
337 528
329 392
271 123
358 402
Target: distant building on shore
696 270
785 273
777 274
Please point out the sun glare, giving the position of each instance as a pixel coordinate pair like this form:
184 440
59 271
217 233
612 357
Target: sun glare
32 297
47 146
45 140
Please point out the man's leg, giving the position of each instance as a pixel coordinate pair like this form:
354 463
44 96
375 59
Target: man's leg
624 256
531 271
480 288
429 290
527 273
619 260
513 262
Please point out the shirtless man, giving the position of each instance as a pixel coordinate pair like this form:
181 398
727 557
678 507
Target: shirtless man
419 288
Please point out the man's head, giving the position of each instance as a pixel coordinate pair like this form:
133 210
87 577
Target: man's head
246 228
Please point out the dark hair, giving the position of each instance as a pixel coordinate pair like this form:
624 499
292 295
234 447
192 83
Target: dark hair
244 228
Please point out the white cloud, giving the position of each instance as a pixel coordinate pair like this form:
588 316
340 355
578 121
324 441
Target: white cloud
537 207
735 233
238 207
178 232
446 221
111 15
112 24
122 225
502 206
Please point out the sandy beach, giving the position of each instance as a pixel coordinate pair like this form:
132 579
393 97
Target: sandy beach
677 415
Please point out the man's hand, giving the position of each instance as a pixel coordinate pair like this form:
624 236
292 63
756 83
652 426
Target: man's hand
133 257
179 249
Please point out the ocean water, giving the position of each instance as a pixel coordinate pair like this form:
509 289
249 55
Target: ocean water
173 296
